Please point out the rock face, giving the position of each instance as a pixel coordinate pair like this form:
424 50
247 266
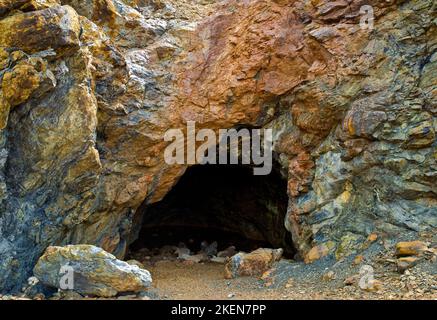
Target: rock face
254 263
411 248
88 89
94 271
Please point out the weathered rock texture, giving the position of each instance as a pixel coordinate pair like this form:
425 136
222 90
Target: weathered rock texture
254 263
89 87
90 271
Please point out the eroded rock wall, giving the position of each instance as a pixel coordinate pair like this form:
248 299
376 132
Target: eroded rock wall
88 89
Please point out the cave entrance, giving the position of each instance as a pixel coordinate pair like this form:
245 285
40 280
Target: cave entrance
222 203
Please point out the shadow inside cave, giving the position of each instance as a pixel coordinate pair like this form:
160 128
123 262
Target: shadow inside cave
223 203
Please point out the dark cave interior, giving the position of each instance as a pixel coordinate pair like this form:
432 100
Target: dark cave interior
223 203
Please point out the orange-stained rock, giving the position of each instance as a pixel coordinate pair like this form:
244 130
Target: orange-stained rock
411 248
255 263
358 260
318 252
372 285
372 237
405 263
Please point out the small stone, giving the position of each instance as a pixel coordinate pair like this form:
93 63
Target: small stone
32 281
329 276
405 263
231 295
372 237
195 258
317 253
227 253
367 281
168 250
412 248
70 295
144 295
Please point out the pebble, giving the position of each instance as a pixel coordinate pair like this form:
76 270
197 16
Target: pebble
411 248
329 276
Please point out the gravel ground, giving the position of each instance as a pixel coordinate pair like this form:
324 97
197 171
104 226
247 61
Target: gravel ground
288 281
325 279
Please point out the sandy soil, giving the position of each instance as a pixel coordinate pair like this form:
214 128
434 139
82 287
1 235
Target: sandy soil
205 281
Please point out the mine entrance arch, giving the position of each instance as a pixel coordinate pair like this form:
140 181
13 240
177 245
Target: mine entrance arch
223 203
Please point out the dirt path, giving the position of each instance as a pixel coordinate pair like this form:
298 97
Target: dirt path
177 280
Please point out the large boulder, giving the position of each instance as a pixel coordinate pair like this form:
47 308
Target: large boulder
94 271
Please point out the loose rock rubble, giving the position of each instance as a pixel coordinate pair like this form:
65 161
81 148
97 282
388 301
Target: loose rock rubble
411 248
207 253
410 253
262 273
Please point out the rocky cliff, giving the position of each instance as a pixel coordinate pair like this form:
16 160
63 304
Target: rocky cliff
88 88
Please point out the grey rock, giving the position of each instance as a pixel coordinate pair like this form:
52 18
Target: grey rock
89 270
